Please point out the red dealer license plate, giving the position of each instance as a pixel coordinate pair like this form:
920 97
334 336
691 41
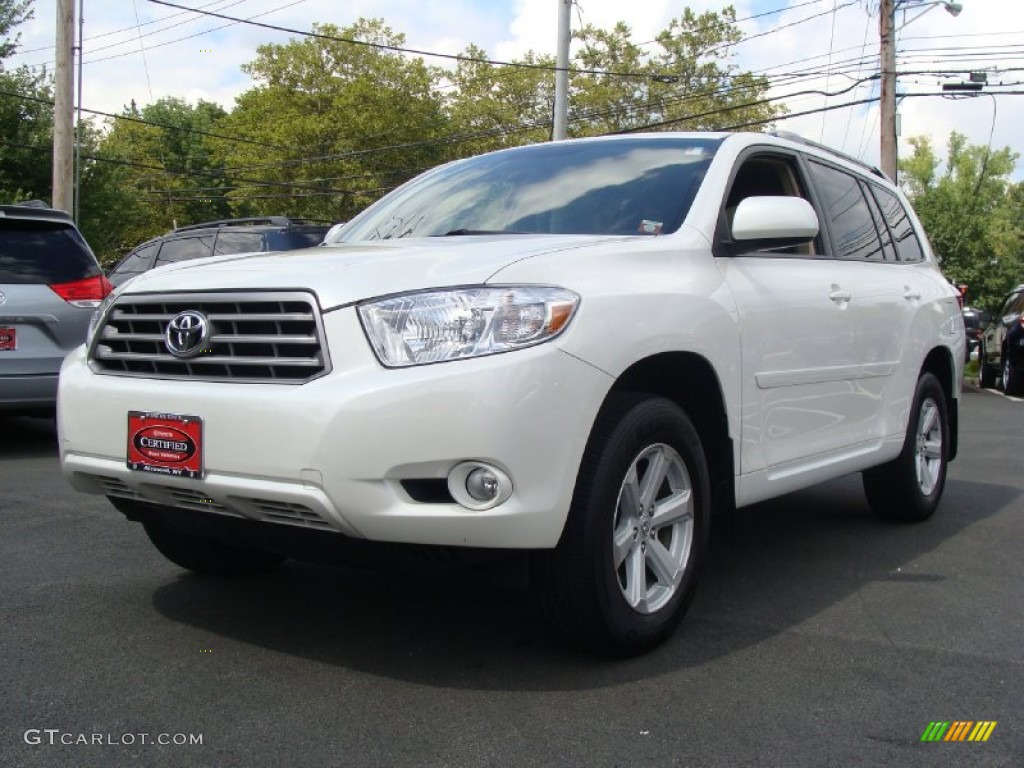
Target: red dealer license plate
8 339
165 443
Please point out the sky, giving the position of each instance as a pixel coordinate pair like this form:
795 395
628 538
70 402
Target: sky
139 50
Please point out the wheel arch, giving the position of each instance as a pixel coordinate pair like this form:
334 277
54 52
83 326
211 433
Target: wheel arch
940 363
691 382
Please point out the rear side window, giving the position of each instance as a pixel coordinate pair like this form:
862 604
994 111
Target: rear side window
285 241
185 248
136 262
853 229
43 252
907 244
238 242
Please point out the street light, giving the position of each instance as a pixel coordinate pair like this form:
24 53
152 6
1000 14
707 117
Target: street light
953 9
887 31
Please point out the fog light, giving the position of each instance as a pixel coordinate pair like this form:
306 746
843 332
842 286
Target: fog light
479 486
482 484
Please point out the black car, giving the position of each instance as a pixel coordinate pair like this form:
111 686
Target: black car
1001 351
975 321
216 238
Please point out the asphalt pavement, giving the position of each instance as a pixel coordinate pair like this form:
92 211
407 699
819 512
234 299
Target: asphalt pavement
819 637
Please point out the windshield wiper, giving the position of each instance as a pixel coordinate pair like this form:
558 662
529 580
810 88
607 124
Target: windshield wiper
460 232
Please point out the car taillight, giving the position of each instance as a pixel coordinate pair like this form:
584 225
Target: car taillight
87 293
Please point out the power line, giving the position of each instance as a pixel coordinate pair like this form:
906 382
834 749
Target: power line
153 123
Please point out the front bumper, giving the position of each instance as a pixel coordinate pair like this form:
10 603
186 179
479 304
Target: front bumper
332 454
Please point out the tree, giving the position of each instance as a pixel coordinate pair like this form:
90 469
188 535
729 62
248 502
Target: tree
26 136
617 85
684 84
156 168
972 212
492 106
332 122
12 13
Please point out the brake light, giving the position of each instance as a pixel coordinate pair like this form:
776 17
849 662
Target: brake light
87 293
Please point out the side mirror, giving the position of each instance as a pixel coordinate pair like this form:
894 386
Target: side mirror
773 222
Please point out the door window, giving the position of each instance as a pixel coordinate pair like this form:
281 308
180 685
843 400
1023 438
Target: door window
907 244
852 227
185 248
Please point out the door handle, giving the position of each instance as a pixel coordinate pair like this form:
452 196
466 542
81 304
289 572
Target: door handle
839 296
910 294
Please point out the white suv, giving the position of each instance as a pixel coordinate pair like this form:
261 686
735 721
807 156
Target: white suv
585 350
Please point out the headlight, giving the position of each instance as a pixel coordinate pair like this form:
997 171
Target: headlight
435 326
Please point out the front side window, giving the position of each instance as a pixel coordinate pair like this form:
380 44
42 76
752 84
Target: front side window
849 218
768 176
632 186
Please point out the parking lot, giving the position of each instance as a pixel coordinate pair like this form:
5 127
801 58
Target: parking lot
818 636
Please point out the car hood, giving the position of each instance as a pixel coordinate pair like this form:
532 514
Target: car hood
345 273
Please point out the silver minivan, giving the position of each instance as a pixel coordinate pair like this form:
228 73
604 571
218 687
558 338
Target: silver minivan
50 284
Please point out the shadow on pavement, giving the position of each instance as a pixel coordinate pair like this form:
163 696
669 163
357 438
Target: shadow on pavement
787 561
27 437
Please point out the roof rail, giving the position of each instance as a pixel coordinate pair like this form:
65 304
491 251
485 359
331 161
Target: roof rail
796 137
277 221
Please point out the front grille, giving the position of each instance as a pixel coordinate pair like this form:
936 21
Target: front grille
262 337
286 512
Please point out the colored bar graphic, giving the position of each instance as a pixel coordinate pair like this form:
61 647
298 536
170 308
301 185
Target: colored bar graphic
982 730
958 730
935 731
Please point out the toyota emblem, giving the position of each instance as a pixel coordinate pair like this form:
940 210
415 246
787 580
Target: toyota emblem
187 333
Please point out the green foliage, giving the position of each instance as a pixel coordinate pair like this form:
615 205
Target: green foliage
12 13
973 213
26 136
327 115
683 84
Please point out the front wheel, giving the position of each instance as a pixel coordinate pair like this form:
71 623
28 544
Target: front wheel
626 567
908 488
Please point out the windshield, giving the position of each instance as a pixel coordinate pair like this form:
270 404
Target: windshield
633 186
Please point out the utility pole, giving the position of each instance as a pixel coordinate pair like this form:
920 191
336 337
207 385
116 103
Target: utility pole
561 117
887 104
63 109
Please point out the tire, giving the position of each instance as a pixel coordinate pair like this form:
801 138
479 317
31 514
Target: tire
209 556
908 489
986 373
1013 382
624 572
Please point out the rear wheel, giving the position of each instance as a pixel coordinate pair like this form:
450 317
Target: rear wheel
1013 382
626 567
209 556
908 488
986 373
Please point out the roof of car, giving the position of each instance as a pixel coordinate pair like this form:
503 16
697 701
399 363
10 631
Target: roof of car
254 221
35 212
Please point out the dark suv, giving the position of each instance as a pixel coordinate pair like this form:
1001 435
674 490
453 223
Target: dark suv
975 321
216 238
1002 346
50 284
